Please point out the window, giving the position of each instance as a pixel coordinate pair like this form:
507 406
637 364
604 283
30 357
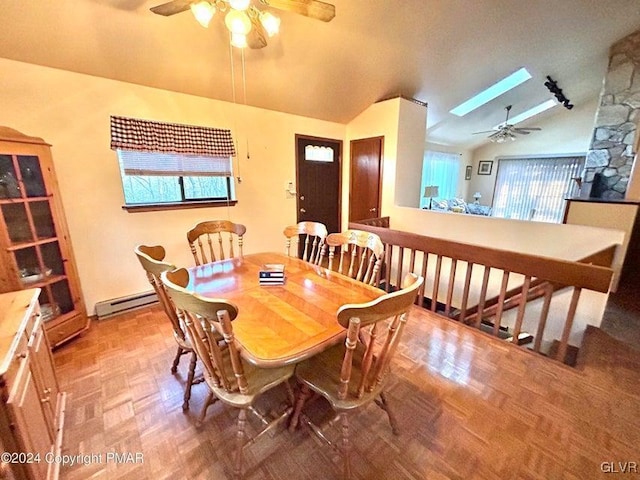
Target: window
535 188
442 170
151 189
516 78
169 165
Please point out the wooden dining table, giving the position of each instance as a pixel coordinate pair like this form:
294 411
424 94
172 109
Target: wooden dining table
281 324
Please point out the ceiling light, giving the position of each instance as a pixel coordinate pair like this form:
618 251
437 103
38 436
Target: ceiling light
203 11
492 92
270 22
238 22
240 4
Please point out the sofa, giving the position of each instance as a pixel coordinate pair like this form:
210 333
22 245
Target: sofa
458 205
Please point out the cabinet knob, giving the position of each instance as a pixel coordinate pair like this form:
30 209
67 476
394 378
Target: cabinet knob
45 400
21 355
46 391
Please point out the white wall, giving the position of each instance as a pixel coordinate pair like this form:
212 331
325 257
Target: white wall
71 112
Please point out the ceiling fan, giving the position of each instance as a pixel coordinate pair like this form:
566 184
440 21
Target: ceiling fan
248 24
506 131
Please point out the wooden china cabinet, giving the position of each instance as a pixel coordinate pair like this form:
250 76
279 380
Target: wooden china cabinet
35 248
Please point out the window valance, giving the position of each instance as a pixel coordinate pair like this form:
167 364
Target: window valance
149 136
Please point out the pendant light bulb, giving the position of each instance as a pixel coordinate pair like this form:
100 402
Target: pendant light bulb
203 12
238 22
270 22
240 4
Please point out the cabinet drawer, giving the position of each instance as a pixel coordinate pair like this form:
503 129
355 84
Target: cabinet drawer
62 331
21 352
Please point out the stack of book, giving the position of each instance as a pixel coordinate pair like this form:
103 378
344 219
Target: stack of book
272 274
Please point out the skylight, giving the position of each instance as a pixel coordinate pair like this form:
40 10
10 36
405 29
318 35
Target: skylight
531 112
492 92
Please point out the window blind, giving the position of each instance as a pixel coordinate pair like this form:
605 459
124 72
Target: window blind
155 148
535 188
168 164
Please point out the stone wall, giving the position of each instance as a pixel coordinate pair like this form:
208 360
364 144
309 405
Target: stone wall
611 151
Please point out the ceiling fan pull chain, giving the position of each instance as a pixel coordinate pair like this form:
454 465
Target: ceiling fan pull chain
244 93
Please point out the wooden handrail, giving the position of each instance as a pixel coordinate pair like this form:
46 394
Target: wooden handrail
442 259
564 272
382 222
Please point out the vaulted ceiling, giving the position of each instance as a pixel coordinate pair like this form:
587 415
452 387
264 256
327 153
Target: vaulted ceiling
437 51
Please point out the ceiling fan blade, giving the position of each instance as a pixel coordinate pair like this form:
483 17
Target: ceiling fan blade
171 8
257 36
486 131
528 129
309 8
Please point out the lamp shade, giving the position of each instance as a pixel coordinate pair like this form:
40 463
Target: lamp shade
430 191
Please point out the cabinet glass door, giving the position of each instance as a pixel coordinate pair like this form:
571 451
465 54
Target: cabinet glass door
31 175
9 187
17 222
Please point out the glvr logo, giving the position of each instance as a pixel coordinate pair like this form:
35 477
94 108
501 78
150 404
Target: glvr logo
619 467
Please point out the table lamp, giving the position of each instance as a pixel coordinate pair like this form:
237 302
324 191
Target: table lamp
430 192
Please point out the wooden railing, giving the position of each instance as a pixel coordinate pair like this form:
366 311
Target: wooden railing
497 280
382 222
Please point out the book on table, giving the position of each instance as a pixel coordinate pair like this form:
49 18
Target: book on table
272 270
272 274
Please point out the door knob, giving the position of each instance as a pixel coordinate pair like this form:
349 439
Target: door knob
302 210
372 209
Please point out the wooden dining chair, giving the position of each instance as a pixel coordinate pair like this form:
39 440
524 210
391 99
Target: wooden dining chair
152 260
310 234
352 375
230 379
207 240
361 254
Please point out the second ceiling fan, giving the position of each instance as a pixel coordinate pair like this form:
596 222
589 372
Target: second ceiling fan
249 25
506 131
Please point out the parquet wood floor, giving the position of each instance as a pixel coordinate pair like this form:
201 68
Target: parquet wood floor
469 407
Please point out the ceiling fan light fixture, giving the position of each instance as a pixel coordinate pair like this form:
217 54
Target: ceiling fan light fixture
270 22
240 4
238 22
238 40
203 12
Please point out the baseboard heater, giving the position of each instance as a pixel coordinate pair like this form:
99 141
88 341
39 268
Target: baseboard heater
115 306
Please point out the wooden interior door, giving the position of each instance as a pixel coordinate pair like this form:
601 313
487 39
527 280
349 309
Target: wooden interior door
318 181
365 194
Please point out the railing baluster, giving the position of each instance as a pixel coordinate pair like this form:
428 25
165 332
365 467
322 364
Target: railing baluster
387 273
483 295
400 265
465 293
521 308
564 341
452 283
503 291
548 291
425 261
436 284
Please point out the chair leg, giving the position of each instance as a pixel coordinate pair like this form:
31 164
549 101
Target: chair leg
303 396
174 366
211 399
187 387
384 405
346 448
242 420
